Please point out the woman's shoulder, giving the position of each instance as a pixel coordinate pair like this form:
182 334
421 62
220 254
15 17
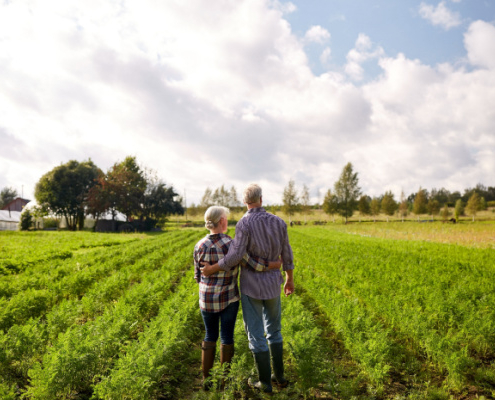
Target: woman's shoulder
204 242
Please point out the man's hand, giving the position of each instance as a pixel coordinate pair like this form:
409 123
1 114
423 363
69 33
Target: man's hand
208 269
289 288
289 283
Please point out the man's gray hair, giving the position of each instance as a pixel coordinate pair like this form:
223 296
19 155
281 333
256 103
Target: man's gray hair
252 194
213 215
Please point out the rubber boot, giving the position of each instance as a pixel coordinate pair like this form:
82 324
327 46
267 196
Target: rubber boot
262 362
226 354
277 353
208 350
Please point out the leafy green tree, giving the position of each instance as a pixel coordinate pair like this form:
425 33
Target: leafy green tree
347 191
403 206
459 209
445 212
7 195
290 200
330 204
433 207
233 198
473 204
375 207
364 206
159 202
126 184
388 204
420 202
207 199
64 190
305 205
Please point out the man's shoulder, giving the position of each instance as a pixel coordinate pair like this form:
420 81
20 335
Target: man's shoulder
275 218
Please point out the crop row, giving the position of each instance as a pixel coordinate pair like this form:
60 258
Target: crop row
393 299
23 345
21 250
71 281
46 273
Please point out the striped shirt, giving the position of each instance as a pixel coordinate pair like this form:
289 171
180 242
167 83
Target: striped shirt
264 234
218 290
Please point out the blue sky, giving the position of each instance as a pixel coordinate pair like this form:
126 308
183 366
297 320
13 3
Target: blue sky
397 26
230 92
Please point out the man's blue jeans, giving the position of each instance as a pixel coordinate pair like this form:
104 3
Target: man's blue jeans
260 317
226 318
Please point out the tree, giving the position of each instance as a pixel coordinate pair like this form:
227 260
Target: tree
64 190
445 212
433 207
159 202
233 199
207 200
347 191
126 185
7 195
290 200
420 202
459 209
375 207
364 205
305 206
474 204
388 204
330 204
403 206
99 198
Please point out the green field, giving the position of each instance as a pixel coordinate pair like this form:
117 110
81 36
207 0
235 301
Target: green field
381 311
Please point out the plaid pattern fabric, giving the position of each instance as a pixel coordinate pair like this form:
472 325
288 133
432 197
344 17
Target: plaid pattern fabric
218 290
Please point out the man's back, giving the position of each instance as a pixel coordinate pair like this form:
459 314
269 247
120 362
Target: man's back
265 235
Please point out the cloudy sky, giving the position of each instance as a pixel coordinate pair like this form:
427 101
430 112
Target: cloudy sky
232 91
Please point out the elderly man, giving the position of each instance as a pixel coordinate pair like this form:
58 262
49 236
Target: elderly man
262 234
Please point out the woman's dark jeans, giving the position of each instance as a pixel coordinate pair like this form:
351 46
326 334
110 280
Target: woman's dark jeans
226 318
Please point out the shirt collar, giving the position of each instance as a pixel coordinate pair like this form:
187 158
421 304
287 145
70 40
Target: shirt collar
256 210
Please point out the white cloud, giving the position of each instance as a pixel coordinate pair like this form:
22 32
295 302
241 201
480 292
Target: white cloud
173 85
326 55
317 34
440 15
362 52
480 44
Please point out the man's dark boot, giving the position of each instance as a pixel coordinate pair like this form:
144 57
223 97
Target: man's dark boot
207 359
277 353
262 362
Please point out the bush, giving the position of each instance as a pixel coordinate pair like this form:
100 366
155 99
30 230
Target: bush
26 221
50 223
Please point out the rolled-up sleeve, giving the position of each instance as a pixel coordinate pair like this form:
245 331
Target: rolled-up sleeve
287 256
236 251
197 267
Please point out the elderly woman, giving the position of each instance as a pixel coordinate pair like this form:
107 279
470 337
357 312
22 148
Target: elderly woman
218 293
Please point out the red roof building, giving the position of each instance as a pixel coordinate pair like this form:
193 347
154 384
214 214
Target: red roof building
16 205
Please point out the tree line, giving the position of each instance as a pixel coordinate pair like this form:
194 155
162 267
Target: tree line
346 197
76 190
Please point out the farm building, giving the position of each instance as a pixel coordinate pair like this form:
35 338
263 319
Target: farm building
9 220
16 205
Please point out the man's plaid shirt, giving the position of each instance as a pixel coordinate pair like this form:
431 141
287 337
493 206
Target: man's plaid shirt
217 291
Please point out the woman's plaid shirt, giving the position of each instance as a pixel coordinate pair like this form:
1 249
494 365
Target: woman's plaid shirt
218 290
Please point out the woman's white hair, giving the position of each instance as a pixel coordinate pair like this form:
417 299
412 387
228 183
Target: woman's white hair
252 194
213 215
